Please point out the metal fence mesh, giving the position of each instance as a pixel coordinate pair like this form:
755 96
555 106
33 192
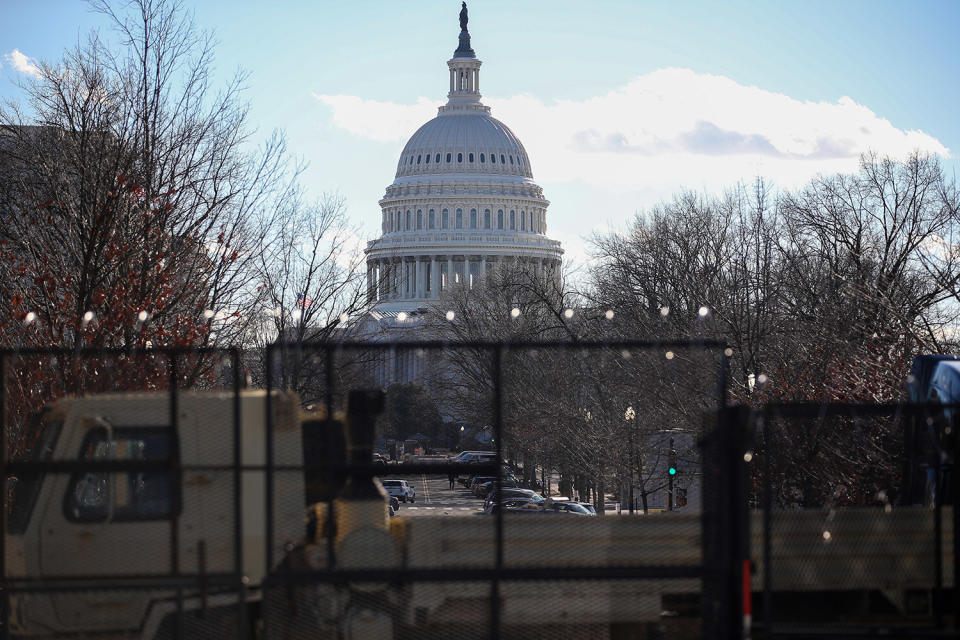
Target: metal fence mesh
839 540
204 511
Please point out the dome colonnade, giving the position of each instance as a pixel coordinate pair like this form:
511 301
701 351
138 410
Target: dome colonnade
463 200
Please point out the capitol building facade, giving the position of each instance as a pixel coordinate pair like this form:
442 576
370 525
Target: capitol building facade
463 201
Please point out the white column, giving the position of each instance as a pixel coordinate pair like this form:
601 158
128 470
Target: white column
418 278
380 273
450 275
477 84
383 286
483 266
395 267
452 75
388 279
411 283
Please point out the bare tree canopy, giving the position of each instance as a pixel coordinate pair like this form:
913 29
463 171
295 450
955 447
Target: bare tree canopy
823 294
131 189
138 211
809 288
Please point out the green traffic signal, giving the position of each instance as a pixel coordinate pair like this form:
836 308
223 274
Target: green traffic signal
672 471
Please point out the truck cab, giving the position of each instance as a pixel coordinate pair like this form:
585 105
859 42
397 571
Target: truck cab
172 513
930 442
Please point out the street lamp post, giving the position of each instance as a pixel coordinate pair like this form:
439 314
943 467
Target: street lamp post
630 415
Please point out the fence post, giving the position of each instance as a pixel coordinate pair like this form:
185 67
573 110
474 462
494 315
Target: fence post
726 524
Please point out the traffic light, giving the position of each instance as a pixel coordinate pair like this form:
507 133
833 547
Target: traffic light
672 463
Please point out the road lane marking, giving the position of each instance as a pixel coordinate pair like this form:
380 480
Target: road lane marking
426 489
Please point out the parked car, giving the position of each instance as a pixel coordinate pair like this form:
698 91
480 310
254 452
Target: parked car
475 480
379 458
400 489
567 506
475 456
484 488
514 505
586 505
514 492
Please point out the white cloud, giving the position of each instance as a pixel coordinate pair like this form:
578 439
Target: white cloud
665 129
22 63
380 121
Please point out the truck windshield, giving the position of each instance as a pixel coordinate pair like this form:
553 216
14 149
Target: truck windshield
142 495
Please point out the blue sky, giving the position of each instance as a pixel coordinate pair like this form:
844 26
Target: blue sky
619 104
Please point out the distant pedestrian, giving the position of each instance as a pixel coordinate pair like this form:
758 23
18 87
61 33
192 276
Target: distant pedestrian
451 478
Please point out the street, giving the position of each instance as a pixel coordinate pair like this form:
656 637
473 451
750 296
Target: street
434 498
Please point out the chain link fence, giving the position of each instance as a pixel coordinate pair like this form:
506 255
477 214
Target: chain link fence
156 496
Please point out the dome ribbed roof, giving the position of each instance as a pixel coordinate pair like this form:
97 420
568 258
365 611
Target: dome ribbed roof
447 143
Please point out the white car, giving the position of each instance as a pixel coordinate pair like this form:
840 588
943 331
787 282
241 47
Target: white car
400 489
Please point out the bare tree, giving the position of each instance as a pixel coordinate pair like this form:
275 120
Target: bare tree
313 288
824 294
134 190
135 206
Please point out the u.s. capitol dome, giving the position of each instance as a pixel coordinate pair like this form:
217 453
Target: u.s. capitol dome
462 202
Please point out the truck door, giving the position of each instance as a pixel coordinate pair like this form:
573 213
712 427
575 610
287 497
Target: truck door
111 523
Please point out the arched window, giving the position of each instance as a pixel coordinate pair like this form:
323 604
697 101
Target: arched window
473 218
511 159
408 227
502 160
499 218
419 218
437 159
444 219
486 218
418 159
448 157
470 157
428 159
432 219
459 218
493 158
482 159
459 157
513 220
411 160
523 221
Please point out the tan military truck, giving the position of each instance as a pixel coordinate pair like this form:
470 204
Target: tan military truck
143 525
